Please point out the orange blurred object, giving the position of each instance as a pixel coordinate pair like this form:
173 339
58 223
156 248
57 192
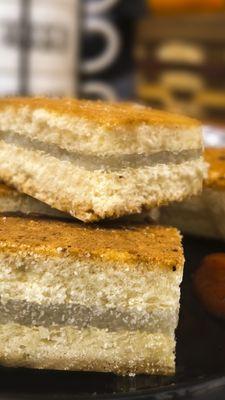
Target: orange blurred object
185 6
209 282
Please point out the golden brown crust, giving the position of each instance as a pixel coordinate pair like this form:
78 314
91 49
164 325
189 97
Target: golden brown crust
108 115
216 174
154 245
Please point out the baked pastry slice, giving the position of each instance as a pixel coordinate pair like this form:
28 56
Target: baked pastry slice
11 201
96 159
89 298
202 215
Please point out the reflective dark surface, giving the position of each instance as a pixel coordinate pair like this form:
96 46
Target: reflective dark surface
200 358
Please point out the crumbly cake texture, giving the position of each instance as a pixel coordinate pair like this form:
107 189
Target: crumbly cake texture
98 160
114 117
11 201
102 298
202 215
66 348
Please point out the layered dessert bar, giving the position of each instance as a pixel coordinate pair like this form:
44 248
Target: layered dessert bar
97 160
90 298
202 215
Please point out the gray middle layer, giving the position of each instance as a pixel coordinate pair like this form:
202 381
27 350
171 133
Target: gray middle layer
28 313
105 162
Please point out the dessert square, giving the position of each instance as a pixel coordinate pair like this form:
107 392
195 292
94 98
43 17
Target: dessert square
96 160
202 215
90 298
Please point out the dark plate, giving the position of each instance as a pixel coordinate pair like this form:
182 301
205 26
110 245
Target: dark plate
200 358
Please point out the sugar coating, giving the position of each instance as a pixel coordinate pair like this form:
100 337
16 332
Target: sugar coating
156 246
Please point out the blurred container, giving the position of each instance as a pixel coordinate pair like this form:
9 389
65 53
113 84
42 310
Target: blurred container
40 46
117 76
185 6
181 64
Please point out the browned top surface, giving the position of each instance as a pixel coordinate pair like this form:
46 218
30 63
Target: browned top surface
216 174
102 113
157 246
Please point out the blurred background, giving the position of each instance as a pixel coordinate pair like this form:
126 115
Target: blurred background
169 54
